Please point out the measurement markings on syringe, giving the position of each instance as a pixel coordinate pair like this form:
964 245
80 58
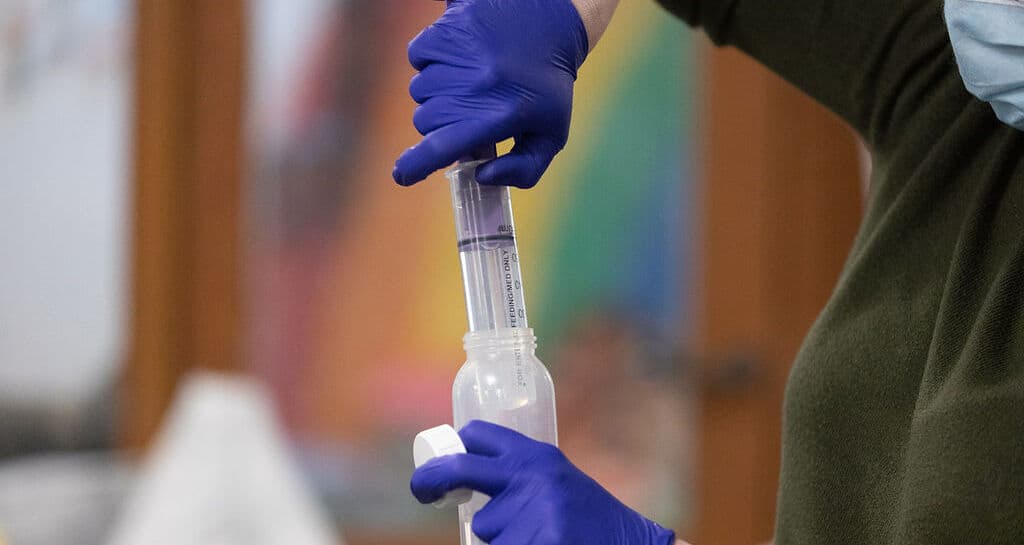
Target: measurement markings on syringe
489 238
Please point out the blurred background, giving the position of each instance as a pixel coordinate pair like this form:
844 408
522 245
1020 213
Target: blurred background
221 322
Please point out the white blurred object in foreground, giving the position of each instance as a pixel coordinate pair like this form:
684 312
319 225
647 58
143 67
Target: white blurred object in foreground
220 474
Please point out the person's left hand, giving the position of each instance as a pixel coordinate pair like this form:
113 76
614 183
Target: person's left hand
537 496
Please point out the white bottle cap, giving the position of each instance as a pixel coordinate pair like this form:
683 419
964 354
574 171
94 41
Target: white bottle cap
440 441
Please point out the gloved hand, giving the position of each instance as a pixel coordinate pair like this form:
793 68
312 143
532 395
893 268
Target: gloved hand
490 70
537 496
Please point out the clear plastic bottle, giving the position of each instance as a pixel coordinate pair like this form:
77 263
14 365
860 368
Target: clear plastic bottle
502 380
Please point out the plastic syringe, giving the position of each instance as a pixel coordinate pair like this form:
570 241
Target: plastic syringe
502 380
486 237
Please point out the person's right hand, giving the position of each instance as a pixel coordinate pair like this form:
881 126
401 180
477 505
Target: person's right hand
490 70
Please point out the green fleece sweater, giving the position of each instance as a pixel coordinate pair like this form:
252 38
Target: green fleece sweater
904 413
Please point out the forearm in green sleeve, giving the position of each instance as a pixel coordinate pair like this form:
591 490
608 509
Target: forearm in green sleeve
711 16
873 62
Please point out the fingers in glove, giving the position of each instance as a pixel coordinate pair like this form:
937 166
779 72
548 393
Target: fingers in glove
445 80
443 147
489 439
431 46
446 110
446 42
522 167
441 475
503 511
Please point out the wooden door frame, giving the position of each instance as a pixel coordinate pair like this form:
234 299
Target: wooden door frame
187 218
781 203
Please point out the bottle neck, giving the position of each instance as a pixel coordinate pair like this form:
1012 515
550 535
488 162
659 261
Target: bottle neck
519 339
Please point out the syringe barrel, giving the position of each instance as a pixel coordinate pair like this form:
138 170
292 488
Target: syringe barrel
486 237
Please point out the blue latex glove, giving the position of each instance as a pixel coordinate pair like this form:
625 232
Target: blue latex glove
537 496
490 70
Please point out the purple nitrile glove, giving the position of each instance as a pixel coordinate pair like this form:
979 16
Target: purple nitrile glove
537 496
490 70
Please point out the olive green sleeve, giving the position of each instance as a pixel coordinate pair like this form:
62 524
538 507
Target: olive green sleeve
876 63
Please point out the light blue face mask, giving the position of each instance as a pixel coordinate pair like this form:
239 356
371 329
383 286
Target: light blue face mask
988 39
